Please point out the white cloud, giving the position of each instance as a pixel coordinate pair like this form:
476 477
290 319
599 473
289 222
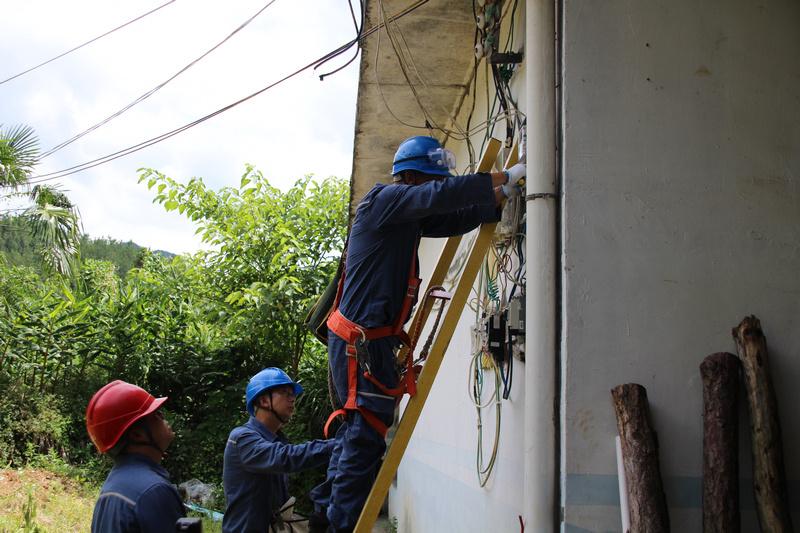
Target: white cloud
303 126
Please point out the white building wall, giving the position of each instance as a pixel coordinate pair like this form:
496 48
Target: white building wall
437 488
437 485
680 215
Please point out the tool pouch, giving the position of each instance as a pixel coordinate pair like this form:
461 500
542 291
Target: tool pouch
318 314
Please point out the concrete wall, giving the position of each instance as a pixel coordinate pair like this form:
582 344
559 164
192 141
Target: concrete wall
681 215
437 488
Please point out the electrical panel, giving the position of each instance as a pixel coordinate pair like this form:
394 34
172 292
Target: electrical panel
509 223
477 335
496 335
516 326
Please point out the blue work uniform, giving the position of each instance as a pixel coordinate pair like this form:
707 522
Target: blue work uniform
388 223
254 472
137 497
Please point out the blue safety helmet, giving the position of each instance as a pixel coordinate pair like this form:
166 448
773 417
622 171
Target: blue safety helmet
263 381
424 154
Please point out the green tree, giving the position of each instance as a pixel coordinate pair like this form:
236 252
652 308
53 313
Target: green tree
272 252
192 327
19 153
53 218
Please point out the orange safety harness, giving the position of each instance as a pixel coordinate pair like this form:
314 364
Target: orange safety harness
357 337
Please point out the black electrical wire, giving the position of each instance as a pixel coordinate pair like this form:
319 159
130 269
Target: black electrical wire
342 49
357 41
86 43
149 93
500 92
154 140
508 378
474 83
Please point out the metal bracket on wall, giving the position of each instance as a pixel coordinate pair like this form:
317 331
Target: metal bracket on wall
541 196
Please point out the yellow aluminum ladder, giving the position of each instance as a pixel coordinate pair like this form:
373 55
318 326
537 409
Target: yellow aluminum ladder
413 410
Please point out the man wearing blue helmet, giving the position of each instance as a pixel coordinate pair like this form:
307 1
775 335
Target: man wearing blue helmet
376 294
258 457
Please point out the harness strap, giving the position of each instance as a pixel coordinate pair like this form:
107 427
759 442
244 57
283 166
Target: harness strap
352 332
351 403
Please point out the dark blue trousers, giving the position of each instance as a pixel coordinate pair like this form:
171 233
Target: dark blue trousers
359 447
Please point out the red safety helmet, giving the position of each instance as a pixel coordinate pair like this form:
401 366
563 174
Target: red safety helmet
114 408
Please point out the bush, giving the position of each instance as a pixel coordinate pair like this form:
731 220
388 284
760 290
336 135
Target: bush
194 328
30 425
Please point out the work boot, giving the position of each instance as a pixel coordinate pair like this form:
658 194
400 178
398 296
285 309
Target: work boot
318 523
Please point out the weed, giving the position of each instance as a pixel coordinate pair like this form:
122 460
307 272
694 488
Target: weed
29 515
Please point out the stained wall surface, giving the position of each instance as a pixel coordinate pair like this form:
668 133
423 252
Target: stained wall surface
681 215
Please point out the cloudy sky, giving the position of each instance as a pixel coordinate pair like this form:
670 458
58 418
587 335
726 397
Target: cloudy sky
303 126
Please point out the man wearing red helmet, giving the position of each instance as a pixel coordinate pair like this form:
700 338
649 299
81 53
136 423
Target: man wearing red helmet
125 422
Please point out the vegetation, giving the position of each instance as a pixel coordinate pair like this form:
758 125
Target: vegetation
51 217
21 249
193 328
37 500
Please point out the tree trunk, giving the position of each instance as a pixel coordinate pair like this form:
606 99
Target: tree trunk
646 499
720 373
768 473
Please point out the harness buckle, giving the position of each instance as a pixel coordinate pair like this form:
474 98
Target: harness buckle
362 353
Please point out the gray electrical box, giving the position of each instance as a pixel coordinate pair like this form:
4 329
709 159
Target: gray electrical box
516 326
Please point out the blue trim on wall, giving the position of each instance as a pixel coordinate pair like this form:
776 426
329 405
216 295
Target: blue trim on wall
682 491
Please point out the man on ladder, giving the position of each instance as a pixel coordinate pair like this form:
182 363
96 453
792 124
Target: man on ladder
377 291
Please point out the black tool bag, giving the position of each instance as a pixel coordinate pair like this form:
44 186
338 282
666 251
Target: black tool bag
318 314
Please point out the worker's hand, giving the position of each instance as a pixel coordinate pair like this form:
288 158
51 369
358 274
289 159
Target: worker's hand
514 174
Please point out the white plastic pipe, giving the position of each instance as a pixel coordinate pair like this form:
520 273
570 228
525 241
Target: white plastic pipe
624 512
539 503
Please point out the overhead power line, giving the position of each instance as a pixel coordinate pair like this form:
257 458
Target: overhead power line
149 93
154 140
357 41
109 32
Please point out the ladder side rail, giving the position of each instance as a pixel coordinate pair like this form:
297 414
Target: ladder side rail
414 408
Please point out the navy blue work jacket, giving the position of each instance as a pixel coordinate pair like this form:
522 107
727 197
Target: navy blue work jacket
388 222
137 497
254 472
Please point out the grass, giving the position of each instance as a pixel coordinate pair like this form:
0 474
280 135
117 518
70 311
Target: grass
40 500
33 499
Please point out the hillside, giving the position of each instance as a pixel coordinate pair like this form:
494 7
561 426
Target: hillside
19 247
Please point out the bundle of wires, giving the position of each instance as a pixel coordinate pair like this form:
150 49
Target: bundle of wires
476 373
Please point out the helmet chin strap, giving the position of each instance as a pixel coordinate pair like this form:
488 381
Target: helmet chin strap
274 412
150 440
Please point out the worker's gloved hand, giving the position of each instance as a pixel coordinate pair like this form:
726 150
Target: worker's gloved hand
514 174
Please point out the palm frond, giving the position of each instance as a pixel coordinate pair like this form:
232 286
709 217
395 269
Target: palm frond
19 154
43 195
55 224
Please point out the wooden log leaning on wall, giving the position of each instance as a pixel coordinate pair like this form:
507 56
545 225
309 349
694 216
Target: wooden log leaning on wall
720 373
646 499
769 478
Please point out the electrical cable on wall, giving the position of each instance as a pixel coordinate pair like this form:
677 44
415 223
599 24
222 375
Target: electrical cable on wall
498 331
406 62
149 93
90 41
484 468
